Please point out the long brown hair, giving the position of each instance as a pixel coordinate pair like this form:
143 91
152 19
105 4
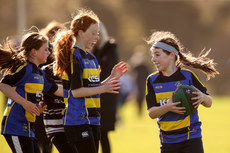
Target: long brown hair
65 39
11 58
185 57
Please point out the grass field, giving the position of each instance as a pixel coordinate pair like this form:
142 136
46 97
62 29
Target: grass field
139 134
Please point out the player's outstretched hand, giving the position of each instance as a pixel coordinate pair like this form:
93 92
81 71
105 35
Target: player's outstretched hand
119 70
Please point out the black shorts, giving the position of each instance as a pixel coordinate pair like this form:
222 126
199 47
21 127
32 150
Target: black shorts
188 146
22 144
78 133
62 144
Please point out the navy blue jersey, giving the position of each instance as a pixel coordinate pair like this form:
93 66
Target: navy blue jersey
84 72
29 81
173 127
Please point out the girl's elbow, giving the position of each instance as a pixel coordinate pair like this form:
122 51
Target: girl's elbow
75 94
151 115
208 101
209 105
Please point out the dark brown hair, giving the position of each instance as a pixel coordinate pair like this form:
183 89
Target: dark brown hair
52 28
65 39
50 31
11 58
186 58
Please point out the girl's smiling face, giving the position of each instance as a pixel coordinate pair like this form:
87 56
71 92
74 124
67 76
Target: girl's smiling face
161 60
91 36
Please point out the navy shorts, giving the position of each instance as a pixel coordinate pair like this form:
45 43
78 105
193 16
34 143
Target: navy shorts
78 133
22 144
188 146
84 137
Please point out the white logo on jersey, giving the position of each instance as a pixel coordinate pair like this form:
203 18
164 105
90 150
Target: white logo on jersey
39 93
93 78
177 84
163 101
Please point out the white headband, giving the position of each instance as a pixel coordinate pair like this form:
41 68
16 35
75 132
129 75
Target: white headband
165 46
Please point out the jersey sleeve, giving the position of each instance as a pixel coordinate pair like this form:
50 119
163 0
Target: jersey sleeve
150 95
14 77
75 78
49 84
198 84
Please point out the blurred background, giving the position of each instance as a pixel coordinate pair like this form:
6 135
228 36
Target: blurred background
198 24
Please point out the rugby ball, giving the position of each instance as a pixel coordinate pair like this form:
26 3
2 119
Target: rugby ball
183 93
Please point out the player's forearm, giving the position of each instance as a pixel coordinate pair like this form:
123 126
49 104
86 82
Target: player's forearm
87 91
207 101
11 93
157 111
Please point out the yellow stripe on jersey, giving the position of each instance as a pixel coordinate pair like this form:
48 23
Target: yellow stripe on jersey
8 109
29 89
92 102
6 113
161 137
36 89
87 115
90 72
174 125
163 97
29 128
155 72
29 117
193 74
146 88
21 67
146 93
188 133
66 105
66 101
33 87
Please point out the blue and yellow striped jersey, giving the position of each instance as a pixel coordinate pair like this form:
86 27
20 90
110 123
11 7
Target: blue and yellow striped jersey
84 72
173 127
29 81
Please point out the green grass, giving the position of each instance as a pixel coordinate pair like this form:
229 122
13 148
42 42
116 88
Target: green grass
137 134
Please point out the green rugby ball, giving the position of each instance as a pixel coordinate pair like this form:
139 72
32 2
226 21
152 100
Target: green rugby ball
183 93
